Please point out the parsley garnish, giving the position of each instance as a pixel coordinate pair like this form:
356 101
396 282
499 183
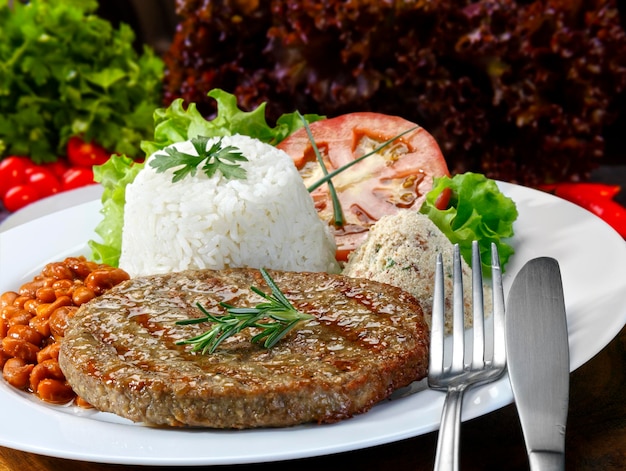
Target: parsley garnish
215 158
277 309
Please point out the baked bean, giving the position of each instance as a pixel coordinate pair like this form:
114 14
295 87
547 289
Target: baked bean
33 320
58 271
20 300
41 325
46 369
58 320
82 294
63 287
103 279
4 328
21 317
7 299
55 391
20 348
45 294
29 289
7 312
16 372
46 310
49 352
48 282
80 402
31 305
3 357
26 333
11 315
80 266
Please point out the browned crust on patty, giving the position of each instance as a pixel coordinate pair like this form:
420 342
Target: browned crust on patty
120 352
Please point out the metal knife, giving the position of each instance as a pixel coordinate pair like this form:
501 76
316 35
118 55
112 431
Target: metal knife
537 347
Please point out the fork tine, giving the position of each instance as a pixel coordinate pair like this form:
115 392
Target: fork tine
458 378
499 350
437 323
458 321
478 314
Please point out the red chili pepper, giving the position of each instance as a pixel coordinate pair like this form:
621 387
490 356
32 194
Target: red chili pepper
594 197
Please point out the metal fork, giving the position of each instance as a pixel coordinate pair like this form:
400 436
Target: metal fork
462 372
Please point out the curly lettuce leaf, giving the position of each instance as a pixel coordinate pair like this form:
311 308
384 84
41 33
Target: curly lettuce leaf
114 175
175 123
171 125
477 210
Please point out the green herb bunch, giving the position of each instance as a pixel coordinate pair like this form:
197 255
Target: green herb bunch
64 71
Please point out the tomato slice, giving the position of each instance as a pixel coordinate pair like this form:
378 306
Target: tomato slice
397 177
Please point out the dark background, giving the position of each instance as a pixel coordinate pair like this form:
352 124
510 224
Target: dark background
154 23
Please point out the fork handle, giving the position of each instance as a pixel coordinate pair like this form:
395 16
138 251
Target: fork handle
447 457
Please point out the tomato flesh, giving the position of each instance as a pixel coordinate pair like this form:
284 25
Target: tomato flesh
395 178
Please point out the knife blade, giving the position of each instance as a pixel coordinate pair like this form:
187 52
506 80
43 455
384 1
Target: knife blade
537 347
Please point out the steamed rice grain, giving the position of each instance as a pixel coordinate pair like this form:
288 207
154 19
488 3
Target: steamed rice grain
266 220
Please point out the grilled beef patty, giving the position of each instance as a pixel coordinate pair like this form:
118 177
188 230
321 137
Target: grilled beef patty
120 350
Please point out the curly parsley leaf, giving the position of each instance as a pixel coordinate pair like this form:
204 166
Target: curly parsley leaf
225 159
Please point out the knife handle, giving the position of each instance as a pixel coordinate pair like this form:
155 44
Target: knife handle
546 461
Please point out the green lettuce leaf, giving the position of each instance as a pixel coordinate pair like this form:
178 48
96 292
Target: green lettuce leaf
176 124
477 211
114 175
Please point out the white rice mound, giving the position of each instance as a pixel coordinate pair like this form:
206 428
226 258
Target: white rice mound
267 220
401 250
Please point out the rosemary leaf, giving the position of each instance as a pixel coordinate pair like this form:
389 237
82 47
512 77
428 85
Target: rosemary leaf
275 318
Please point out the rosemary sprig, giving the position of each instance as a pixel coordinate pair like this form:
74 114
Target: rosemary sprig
277 308
337 211
215 158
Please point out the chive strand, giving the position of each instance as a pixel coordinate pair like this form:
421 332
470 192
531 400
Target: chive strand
337 211
327 177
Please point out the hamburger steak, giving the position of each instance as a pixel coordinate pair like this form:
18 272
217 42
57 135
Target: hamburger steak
120 351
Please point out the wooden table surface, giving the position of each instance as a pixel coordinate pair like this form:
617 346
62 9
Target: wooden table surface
595 440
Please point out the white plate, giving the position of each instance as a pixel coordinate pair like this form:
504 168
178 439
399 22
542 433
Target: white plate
51 204
593 263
